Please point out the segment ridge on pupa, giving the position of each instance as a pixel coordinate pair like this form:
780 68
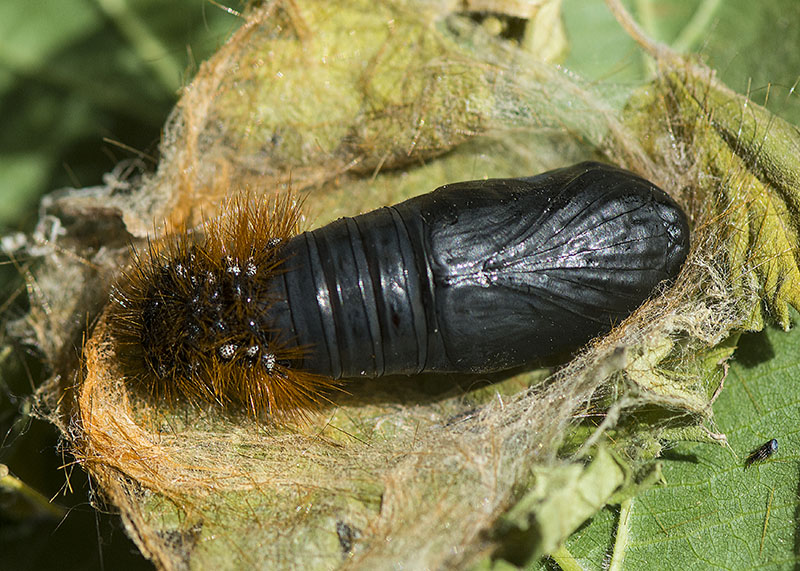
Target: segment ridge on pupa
187 315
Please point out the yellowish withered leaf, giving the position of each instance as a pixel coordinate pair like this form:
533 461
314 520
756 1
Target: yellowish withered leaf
745 165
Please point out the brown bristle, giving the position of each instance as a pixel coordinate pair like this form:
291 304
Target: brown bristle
187 315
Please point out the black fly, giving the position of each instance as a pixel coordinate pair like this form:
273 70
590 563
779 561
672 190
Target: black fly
762 453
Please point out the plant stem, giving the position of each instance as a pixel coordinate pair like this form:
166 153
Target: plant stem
565 560
623 534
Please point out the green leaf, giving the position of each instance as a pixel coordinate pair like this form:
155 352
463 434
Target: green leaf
753 47
558 501
744 164
712 512
73 72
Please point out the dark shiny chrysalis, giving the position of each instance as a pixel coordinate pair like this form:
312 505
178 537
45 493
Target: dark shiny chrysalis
473 277
477 276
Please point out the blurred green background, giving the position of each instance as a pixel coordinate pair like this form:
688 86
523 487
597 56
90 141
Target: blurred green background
85 84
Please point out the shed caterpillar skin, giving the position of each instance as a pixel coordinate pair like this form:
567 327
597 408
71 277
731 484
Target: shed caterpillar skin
473 277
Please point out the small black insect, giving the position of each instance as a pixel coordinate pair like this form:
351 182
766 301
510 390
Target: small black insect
762 453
